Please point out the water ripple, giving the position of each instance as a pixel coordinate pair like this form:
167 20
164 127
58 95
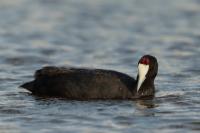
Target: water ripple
105 34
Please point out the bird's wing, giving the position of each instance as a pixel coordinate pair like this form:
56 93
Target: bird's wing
52 71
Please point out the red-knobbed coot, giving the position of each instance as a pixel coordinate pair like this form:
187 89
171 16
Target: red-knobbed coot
86 84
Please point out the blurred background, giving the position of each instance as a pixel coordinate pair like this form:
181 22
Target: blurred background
109 34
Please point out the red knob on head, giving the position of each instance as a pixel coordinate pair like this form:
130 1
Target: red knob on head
144 60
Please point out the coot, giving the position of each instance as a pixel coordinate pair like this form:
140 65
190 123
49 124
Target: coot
86 84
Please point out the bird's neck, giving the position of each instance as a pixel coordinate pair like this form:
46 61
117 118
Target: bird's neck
147 88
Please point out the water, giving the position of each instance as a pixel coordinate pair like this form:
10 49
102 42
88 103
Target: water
110 34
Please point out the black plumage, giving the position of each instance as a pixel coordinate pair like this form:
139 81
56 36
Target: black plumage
85 84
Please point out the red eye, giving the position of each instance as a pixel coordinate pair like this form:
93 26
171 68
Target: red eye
144 61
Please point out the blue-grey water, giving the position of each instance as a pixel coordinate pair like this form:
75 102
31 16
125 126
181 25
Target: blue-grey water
109 34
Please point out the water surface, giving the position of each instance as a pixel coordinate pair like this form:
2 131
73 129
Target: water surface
110 34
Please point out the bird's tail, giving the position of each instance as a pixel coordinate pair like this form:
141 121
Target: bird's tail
29 86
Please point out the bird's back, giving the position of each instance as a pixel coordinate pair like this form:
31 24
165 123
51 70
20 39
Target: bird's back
76 83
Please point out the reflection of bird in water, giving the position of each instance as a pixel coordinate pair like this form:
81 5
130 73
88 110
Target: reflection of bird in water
145 107
143 104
